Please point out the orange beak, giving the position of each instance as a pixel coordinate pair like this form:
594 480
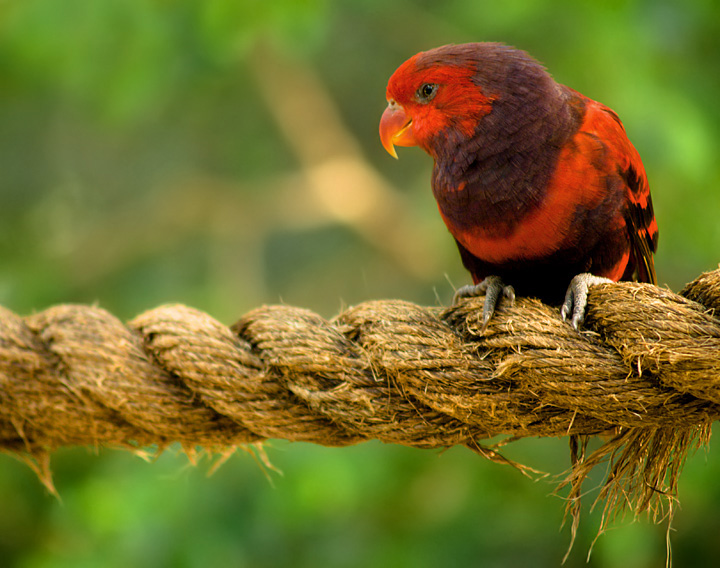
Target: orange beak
396 129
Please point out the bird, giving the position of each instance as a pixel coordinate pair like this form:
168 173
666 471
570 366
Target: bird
539 185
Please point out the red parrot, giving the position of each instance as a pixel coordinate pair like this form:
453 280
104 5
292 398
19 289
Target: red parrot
539 185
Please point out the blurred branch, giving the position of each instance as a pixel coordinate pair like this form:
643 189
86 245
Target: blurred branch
338 179
335 184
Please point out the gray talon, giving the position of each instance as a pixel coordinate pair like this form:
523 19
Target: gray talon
494 288
467 291
576 297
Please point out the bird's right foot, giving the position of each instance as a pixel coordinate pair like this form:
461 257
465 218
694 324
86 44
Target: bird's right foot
494 289
573 307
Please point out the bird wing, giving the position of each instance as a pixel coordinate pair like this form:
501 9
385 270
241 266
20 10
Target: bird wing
639 217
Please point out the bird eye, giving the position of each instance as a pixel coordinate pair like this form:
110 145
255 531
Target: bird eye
426 92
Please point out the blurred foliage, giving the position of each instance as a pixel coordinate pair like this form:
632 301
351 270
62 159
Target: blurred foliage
224 154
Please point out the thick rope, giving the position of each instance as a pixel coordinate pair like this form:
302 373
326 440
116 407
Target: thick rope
645 371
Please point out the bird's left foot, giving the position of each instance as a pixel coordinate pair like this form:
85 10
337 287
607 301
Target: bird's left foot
576 297
494 288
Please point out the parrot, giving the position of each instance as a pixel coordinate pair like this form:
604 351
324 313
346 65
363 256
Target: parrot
539 185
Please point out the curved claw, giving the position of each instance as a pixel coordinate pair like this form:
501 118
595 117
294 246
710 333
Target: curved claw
493 288
576 297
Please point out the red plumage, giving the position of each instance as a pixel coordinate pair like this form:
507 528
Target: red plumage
536 182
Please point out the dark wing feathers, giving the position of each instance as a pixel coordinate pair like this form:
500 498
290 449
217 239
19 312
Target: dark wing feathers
639 215
641 224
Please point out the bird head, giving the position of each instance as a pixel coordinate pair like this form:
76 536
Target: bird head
431 93
438 98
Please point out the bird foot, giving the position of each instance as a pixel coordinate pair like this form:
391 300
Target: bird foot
576 297
494 289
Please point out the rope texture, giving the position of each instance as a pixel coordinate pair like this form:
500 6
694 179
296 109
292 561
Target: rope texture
645 371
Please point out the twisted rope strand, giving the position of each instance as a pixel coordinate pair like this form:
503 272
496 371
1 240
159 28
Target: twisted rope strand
646 366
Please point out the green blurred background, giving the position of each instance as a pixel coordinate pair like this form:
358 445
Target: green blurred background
224 154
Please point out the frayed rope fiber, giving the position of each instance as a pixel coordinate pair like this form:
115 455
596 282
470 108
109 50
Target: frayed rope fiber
644 372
